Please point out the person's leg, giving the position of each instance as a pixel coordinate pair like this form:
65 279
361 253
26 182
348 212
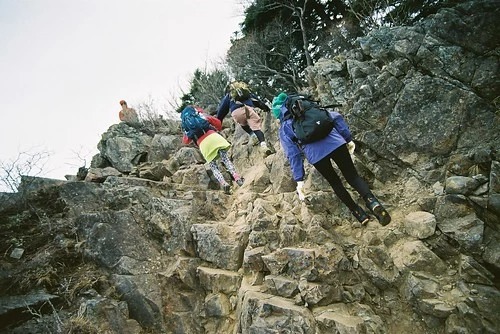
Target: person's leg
254 121
246 116
240 117
260 135
254 138
247 129
343 160
218 175
230 167
325 168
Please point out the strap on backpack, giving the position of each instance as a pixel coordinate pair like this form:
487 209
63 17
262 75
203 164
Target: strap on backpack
247 111
331 106
298 108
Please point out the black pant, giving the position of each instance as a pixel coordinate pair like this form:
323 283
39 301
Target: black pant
258 133
343 160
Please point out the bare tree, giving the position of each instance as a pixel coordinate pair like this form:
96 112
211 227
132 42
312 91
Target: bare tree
208 84
206 87
175 100
370 13
29 163
153 115
299 12
148 112
265 59
376 13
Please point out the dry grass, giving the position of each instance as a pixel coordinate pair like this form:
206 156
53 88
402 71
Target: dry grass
79 325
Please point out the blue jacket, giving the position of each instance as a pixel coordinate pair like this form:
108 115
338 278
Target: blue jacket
227 104
315 151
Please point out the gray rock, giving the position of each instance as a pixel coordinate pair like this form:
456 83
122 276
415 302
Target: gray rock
294 263
420 102
20 302
460 185
419 285
217 305
415 256
472 271
99 175
218 280
420 224
143 297
281 286
215 243
314 294
261 313
495 177
378 265
467 231
124 147
17 253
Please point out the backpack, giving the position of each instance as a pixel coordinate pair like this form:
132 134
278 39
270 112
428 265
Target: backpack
193 123
214 121
310 122
239 91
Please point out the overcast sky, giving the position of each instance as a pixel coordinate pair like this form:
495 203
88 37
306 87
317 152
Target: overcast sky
65 65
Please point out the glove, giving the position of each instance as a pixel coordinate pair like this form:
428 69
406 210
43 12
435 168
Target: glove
351 147
300 190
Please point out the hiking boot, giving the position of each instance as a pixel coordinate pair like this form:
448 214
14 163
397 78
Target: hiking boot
265 149
271 148
227 189
378 210
253 139
360 215
240 181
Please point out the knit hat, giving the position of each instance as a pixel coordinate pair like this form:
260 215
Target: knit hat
278 103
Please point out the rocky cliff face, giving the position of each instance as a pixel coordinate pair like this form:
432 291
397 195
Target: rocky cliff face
147 243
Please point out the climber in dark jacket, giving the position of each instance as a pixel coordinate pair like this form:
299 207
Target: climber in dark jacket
244 114
337 146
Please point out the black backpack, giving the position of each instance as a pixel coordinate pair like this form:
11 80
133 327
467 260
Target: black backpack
310 122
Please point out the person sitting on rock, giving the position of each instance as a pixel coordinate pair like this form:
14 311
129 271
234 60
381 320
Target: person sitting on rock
243 113
129 115
211 144
337 146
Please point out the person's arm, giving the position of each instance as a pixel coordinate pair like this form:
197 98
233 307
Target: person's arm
223 108
341 126
185 139
214 122
259 103
121 115
292 152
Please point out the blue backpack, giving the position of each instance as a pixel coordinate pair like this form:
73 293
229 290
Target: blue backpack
193 124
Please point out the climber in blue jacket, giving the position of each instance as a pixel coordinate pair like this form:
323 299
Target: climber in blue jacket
337 146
